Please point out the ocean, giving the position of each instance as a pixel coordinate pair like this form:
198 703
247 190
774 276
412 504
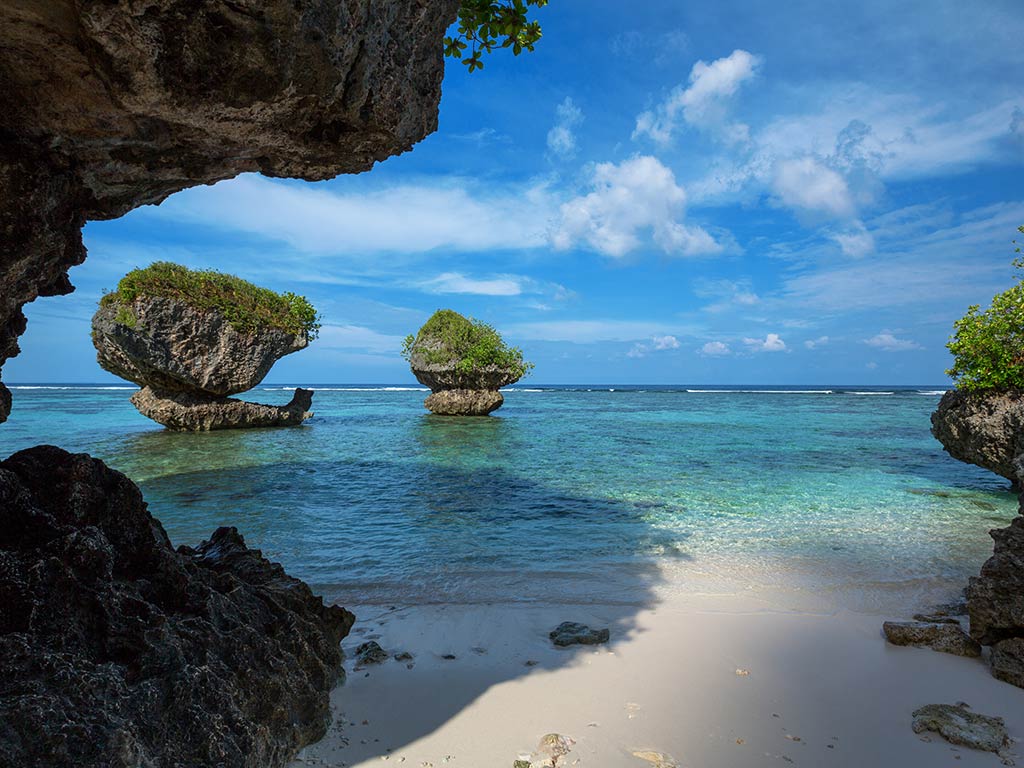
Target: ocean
567 494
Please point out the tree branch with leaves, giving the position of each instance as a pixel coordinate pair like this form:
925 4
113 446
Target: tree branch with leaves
484 25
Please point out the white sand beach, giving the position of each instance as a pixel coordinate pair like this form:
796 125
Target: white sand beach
748 678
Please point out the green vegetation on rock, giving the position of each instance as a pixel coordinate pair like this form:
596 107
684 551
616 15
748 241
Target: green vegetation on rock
486 24
988 346
246 306
448 337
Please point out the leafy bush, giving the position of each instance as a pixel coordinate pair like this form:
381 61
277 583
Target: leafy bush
448 337
247 307
988 346
484 24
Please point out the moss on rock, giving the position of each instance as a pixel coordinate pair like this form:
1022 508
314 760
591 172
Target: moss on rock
247 307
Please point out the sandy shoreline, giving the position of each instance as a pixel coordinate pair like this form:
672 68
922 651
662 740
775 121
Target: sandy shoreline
817 686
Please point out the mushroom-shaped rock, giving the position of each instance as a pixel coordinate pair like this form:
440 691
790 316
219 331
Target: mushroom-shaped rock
191 338
984 428
464 362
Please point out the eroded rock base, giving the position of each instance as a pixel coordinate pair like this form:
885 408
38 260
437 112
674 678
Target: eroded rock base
118 651
464 402
188 412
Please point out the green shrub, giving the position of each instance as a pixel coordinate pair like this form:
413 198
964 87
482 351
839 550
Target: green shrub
449 337
247 307
988 346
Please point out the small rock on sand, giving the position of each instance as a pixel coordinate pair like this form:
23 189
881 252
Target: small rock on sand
958 725
572 633
947 638
1008 661
657 759
370 653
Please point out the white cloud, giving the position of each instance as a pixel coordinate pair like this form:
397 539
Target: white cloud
658 344
561 138
702 102
770 343
856 242
821 341
456 282
888 342
728 293
451 213
715 349
357 337
806 184
628 200
583 331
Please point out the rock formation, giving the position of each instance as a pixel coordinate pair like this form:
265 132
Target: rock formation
117 650
186 412
944 636
464 363
108 105
189 358
987 429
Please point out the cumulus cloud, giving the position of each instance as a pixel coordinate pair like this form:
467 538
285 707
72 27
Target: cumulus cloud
657 344
665 342
770 343
629 200
821 341
715 349
807 184
888 342
702 101
561 137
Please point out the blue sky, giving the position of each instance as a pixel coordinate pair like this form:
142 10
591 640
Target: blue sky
664 192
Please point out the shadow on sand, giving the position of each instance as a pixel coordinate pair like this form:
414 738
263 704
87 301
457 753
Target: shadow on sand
448 553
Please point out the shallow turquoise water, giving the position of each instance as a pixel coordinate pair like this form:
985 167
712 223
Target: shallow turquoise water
564 494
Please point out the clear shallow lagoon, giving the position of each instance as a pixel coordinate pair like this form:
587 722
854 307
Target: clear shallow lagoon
567 494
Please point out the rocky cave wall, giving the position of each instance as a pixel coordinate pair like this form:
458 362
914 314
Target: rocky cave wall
106 105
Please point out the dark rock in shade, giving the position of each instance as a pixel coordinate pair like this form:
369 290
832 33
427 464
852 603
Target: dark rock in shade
142 100
571 633
957 724
117 651
982 428
370 653
1008 661
941 636
995 598
464 402
177 348
184 412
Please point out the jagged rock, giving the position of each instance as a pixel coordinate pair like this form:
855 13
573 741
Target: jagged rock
447 376
958 725
571 633
117 651
982 428
552 748
177 348
1008 661
939 636
464 402
995 598
185 412
140 100
370 652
